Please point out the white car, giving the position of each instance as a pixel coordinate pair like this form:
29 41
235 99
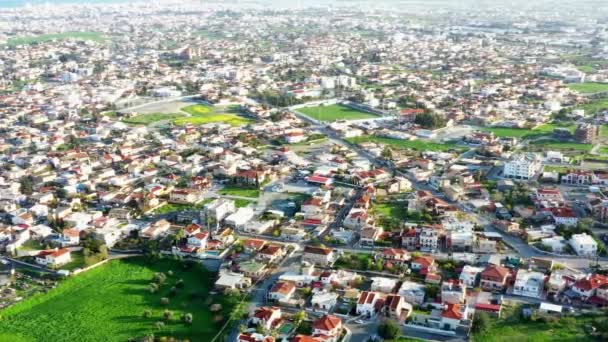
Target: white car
358 321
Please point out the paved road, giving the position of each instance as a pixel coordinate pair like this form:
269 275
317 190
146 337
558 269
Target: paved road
522 248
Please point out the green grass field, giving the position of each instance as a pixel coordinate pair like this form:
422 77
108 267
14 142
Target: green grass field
92 36
595 106
418 145
235 190
203 114
588 87
108 302
146 119
588 69
513 328
335 112
526 133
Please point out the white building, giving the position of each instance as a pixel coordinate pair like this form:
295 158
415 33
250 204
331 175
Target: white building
555 244
469 275
324 301
583 244
382 284
529 284
240 217
522 166
367 303
220 208
412 292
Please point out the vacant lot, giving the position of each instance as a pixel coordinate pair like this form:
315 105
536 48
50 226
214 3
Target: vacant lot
108 303
589 87
513 328
93 36
418 145
237 190
146 119
335 112
562 146
203 114
526 133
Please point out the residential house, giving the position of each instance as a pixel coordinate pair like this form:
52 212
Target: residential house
453 293
423 264
366 305
319 255
529 284
583 244
394 255
396 307
412 292
587 287
324 301
494 278
282 291
270 253
329 327
266 317
54 257
469 276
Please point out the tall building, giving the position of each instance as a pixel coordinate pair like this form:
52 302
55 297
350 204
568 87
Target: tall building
522 166
586 133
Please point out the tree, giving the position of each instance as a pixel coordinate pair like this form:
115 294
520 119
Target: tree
299 317
389 330
168 315
387 153
431 291
187 318
26 185
430 120
147 313
164 301
481 322
159 325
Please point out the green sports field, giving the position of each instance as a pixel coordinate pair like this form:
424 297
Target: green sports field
92 36
335 112
108 304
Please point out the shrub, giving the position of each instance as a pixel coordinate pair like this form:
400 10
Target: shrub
389 330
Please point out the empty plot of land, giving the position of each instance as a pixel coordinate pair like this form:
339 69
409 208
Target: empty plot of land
335 112
203 114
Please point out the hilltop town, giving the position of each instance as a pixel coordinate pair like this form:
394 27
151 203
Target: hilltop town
236 172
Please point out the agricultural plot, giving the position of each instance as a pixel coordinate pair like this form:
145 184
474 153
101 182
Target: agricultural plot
108 304
335 112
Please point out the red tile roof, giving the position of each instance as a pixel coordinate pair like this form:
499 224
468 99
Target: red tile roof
452 311
327 323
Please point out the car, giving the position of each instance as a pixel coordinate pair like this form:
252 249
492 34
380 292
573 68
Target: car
358 321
